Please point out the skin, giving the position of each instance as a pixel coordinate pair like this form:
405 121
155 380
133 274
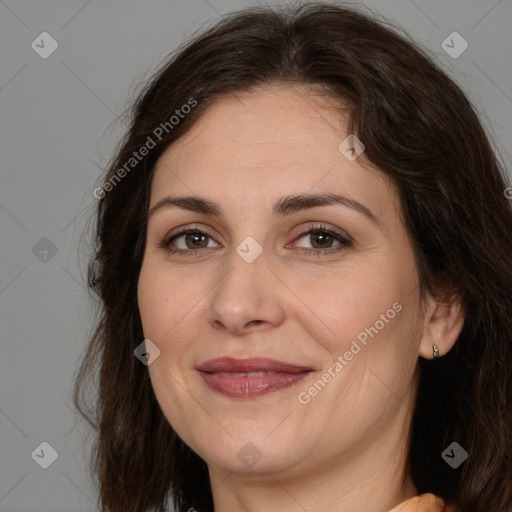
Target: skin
346 448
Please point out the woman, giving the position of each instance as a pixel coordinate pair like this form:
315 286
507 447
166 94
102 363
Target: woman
303 255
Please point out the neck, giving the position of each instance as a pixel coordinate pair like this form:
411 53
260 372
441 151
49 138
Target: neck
371 477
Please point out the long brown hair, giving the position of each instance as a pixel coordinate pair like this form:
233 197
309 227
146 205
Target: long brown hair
421 131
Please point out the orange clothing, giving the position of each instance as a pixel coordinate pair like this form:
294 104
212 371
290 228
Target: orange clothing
424 503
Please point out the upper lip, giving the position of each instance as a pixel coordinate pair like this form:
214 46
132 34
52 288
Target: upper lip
255 364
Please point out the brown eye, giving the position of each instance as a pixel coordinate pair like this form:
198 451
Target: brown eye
196 240
321 240
188 241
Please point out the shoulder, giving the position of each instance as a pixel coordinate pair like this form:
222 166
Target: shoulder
424 503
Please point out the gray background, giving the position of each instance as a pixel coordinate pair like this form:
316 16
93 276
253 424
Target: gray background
59 125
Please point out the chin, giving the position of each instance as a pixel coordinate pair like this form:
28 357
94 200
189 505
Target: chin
247 453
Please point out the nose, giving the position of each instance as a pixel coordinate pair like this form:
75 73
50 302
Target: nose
246 298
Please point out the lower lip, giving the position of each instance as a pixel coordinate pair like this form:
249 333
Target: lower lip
250 386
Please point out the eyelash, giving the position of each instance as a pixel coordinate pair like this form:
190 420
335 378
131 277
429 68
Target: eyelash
343 240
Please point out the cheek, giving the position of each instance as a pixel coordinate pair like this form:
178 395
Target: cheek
165 310
374 328
163 300
342 306
152 299
364 322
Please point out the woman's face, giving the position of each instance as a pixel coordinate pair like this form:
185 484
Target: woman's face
288 323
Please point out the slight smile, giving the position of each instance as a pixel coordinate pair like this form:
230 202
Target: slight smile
248 378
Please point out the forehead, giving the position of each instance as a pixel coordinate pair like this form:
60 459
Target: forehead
274 141
273 120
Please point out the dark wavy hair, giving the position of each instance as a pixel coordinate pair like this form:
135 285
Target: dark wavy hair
421 131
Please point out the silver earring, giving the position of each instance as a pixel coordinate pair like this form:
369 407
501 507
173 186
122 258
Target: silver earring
436 352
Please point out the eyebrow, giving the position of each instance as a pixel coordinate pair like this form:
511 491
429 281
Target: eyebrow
284 206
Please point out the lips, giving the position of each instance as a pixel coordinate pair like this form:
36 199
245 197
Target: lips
248 378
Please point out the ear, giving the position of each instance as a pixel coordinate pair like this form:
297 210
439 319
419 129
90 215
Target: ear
443 323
